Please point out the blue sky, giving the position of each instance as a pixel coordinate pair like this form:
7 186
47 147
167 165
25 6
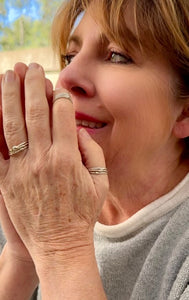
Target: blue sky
31 10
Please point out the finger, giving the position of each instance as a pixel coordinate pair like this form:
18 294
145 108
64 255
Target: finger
13 119
92 156
49 91
64 126
37 109
91 152
21 69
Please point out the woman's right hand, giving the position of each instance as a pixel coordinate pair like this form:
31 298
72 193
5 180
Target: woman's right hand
18 275
14 246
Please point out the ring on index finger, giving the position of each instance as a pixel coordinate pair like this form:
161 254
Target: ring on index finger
62 96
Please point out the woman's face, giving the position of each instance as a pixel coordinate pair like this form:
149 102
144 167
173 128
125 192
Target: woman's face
125 103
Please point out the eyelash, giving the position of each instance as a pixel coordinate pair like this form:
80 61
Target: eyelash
67 59
127 59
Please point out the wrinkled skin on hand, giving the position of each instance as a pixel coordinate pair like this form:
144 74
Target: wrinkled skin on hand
51 198
20 69
15 245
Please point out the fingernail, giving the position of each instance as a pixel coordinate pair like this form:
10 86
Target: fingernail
84 134
9 76
34 66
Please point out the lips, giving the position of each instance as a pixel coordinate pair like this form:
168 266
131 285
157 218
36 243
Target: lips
88 121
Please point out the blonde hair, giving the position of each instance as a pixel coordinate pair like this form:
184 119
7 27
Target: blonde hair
159 26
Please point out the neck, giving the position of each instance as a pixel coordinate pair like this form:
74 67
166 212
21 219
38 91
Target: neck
134 190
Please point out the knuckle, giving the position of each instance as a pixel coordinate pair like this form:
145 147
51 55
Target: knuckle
34 113
61 161
38 166
64 161
53 166
9 95
11 127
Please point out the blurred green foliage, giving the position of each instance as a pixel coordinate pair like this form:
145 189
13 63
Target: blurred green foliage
26 32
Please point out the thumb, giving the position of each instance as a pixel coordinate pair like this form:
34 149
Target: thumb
91 152
93 156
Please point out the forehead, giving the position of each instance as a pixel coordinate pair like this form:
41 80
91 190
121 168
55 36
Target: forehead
77 21
94 19
86 26
127 30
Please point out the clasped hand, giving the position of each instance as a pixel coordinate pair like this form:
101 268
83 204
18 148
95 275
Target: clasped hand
52 200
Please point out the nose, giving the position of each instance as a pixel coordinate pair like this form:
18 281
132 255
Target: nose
77 79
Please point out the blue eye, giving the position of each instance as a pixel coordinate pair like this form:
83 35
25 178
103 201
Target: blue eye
67 59
119 58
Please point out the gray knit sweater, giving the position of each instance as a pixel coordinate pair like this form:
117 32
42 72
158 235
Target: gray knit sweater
147 256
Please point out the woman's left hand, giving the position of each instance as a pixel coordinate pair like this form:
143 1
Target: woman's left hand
51 198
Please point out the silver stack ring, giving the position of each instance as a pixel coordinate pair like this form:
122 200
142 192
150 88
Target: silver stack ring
98 171
62 96
18 148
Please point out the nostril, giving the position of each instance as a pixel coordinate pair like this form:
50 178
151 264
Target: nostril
78 90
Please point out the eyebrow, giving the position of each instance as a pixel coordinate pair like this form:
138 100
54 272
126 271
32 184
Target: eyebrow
75 39
102 42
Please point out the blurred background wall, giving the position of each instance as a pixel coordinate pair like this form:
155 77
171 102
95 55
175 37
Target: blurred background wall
25 27
44 56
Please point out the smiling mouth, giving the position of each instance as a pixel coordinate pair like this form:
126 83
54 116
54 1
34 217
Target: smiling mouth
89 124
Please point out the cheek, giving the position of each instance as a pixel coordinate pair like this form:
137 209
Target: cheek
142 112
122 100
144 97
122 93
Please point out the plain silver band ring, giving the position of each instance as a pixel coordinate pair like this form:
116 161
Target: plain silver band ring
18 148
62 95
98 171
